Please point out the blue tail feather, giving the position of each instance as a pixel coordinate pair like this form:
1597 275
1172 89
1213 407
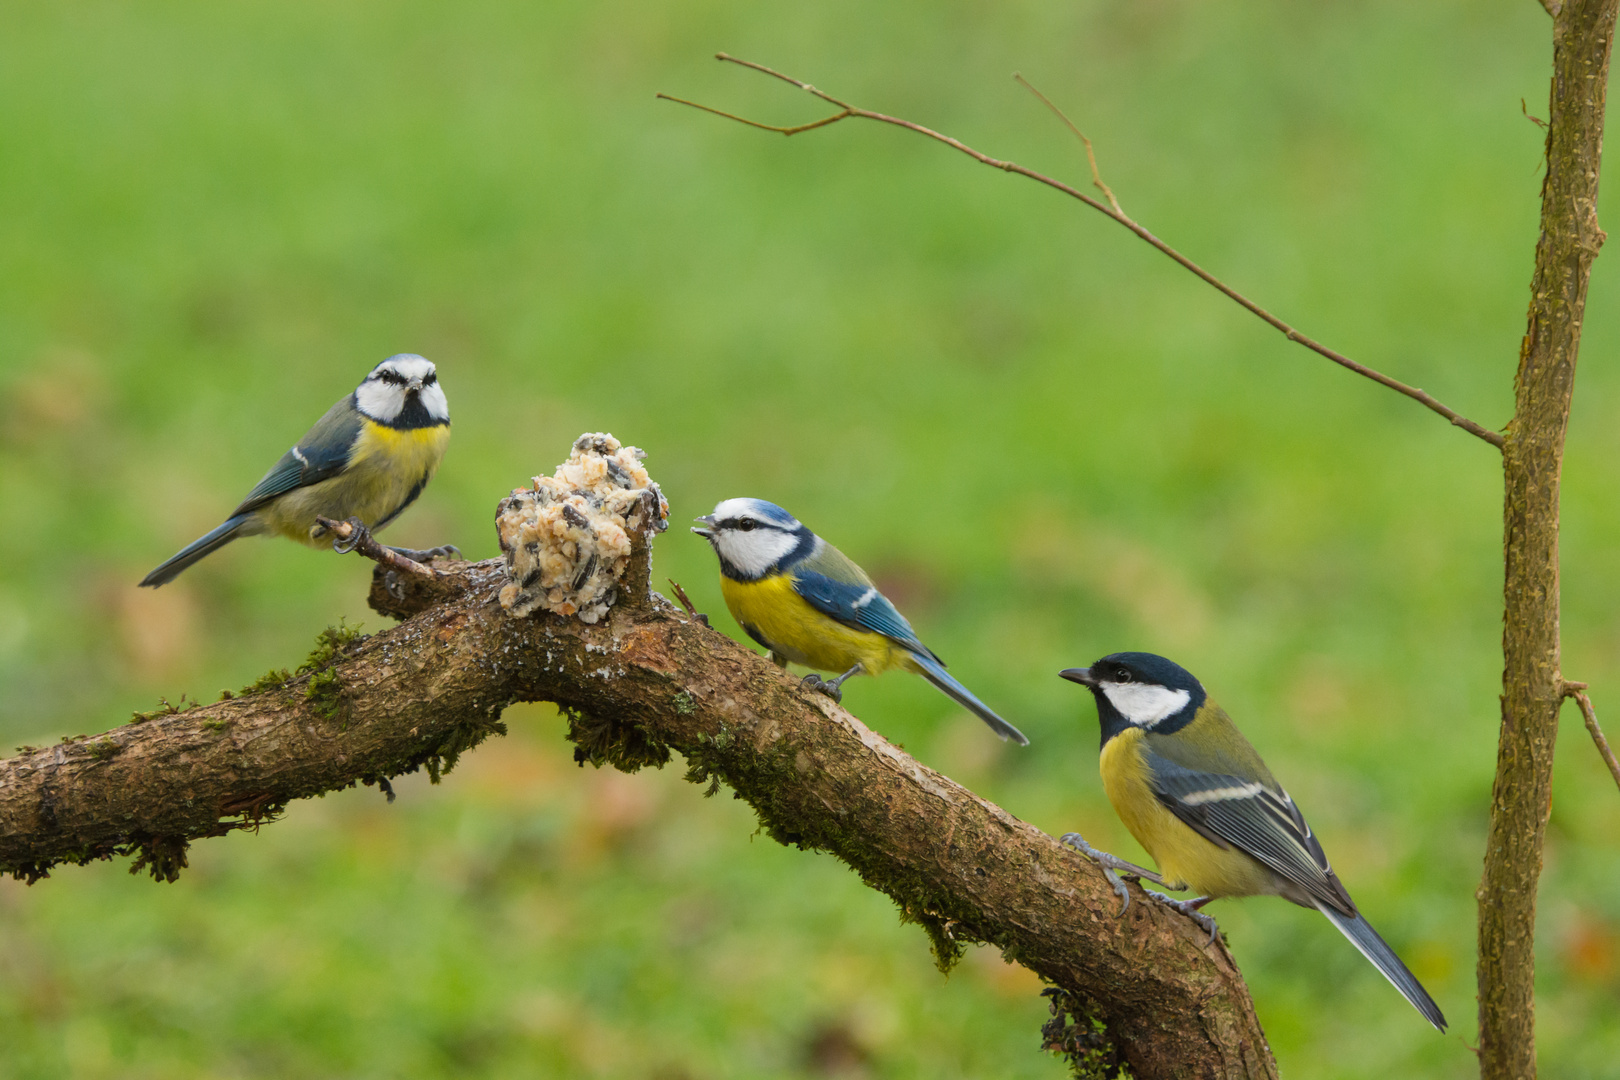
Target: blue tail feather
1374 948
203 545
935 672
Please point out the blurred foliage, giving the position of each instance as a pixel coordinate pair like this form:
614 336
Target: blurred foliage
1045 440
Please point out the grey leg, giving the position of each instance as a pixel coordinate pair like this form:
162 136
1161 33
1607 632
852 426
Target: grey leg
1190 908
1110 865
422 555
832 688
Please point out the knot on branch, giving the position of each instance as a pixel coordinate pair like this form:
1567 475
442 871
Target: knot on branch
568 540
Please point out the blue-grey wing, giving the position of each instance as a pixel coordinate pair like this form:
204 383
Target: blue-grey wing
1253 817
320 455
839 589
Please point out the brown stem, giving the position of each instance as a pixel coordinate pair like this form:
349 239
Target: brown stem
1091 153
368 547
643 682
1532 459
1577 690
1112 211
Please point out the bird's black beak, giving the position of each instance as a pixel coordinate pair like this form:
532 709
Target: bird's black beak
1081 675
414 386
707 519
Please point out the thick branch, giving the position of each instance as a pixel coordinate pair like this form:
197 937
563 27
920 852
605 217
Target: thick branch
1532 461
1112 210
647 680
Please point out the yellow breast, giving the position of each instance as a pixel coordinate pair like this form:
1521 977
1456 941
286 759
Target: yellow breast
1186 858
789 625
386 469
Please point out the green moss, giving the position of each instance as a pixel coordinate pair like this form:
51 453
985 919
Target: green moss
700 768
105 750
274 679
217 726
163 857
1080 1038
325 694
163 709
443 757
685 704
330 645
627 747
325 690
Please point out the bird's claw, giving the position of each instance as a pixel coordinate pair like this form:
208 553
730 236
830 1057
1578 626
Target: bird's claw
817 683
1104 860
422 555
357 533
1189 908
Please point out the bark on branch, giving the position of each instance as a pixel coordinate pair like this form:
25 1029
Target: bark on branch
647 680
1532 459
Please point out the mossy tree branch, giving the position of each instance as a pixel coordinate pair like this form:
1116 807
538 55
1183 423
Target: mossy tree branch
1533 446
1533 687
650 679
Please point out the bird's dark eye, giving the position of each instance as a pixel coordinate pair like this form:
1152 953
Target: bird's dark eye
430 380
747 524
1122 676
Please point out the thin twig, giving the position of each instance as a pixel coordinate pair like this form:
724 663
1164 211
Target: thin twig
848 111
755 123
1577 690
368 546
686 602
1091 155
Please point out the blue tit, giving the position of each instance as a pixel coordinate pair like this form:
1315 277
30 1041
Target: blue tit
806 602
1198 798
368 458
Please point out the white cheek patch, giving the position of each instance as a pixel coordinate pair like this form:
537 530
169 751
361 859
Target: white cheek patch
379 400
753 553
382 400
437 405
1145 705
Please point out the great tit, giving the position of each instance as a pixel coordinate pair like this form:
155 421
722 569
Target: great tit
1195 794
806 602
368 458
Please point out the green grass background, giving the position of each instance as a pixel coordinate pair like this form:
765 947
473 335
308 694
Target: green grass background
1046 441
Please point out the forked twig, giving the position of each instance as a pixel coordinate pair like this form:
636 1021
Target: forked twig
1091 155
1577 690
1110 209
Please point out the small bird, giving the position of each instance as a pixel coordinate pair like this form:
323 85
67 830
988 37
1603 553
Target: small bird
806 602
1195 794
367 459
